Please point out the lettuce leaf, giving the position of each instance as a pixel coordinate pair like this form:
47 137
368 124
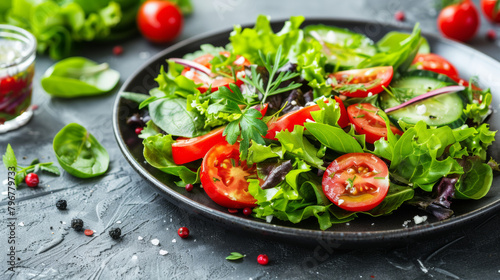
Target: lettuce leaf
296 144
416 156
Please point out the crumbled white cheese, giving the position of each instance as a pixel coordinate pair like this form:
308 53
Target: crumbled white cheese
418 220
341 201
293 102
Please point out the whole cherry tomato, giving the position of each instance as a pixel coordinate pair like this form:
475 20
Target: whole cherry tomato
459 21
491 9
159 21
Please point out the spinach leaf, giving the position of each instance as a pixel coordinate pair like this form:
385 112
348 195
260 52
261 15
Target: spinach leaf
132 96
78 76
79 153
334 138
158 153
398 53
171 115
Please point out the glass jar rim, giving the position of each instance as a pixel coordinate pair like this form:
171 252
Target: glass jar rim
30 42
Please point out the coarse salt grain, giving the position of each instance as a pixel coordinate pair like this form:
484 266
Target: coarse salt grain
140 238
134 257
155 242
21 224
163 252
173 240
118 222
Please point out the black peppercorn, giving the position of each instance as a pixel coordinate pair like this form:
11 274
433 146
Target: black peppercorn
61 204
77 224
115 233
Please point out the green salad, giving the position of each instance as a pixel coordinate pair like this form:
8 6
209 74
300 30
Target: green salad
319 122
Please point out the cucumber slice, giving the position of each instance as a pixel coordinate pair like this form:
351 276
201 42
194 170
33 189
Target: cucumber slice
445 109
342 46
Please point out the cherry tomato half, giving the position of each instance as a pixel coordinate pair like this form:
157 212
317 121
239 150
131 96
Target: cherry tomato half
459 21
159 21
372 79
299 117
224 177
206 81
435 63
356 181
488 7
185 150
366 121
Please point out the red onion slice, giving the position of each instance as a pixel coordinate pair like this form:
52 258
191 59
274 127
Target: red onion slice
432 93
194 65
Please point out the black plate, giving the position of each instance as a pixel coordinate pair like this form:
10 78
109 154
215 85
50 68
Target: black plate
363 231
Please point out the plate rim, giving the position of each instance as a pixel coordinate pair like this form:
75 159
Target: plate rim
290 232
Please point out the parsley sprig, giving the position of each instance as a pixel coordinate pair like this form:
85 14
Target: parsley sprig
248 125
10 161
275 79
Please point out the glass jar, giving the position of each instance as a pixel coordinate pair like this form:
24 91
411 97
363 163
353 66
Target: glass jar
17 67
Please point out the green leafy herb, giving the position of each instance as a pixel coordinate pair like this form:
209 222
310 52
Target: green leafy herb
248 124
272 87
10 161
79 153
235 256
79 76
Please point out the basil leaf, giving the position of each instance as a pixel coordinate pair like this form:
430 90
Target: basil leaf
79 153
9 158
334 138
78 76
235 256
171 115
158 153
